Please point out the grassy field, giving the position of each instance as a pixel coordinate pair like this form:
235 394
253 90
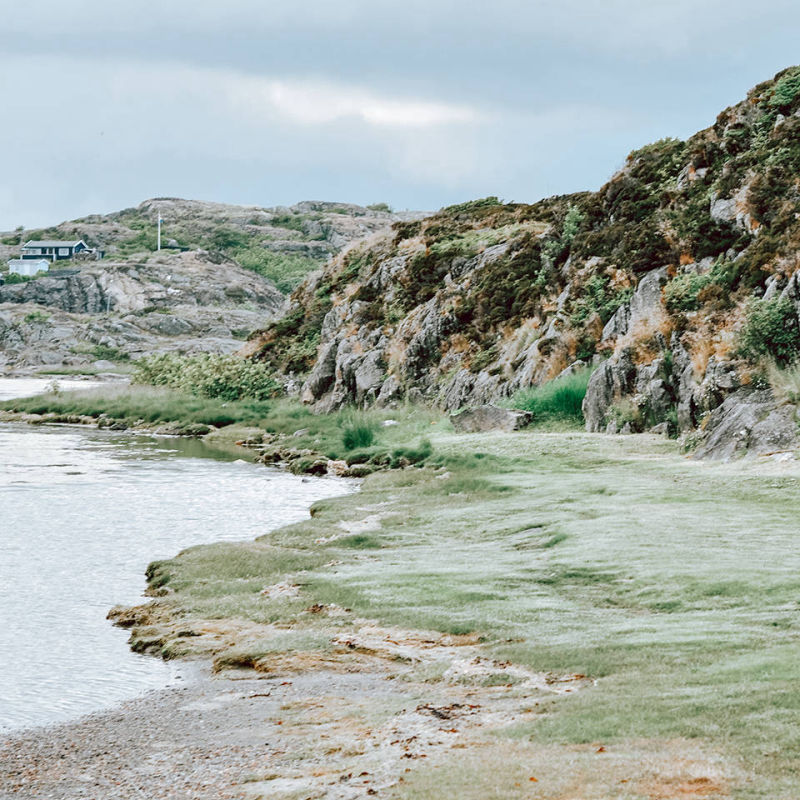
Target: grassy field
673 585
344 434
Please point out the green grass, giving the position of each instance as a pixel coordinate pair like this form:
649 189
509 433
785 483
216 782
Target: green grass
142 403
358 432
569 553
333 435
286 270
558 400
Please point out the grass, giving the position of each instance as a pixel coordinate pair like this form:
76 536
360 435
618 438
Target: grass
88 369
559 400
340 435
785 383
358 432
567 553
142 403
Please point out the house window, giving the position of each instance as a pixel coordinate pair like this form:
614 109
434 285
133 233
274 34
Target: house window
63 251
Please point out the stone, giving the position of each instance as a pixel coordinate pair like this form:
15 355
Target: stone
337 468
662 429
490 418
618 324
369 377
646 299
749 423
611 381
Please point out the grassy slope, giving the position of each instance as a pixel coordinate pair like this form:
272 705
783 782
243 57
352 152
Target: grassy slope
673 583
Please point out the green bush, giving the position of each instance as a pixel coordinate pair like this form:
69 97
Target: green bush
597 296
680 294
286 270
221 377
786 89
358 431
103 352
560 399
414 455
771 330
15 277
36 316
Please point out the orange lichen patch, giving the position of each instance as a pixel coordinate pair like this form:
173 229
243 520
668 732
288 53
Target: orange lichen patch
673 789
620 279
458 343
644 340
686 258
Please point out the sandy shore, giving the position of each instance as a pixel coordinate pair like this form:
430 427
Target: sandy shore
348 726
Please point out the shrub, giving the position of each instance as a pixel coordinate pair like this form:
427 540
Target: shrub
222 377
36 316
680 294
559 399
358 431
786 89
473 205
414 455
772 331
598 296
15 277
104 352
286 270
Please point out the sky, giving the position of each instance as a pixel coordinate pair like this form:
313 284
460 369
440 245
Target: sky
418 104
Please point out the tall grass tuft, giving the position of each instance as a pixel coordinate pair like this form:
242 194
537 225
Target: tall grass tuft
558 400
358 431
785 383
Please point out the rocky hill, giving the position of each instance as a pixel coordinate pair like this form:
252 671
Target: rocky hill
187 302
678 280
282 243
220 276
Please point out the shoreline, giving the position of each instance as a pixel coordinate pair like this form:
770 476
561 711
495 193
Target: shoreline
516 590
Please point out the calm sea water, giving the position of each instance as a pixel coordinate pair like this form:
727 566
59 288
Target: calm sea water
82 513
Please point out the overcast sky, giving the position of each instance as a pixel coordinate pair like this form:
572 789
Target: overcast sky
420 103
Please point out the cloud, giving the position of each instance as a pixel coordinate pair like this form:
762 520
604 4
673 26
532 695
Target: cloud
313 103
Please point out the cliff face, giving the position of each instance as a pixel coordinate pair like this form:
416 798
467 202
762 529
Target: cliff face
186 302
654 275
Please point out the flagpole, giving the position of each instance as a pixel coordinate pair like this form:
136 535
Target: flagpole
159 229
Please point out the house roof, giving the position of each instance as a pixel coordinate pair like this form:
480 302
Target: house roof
52 243
15 262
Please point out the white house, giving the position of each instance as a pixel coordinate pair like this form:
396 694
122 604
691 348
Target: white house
28 266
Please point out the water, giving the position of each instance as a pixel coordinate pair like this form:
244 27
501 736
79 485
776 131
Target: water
82 513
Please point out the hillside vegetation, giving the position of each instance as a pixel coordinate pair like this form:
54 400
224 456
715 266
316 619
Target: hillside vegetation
282 243
680 274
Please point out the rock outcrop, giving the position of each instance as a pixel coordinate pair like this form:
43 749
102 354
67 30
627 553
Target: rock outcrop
651 280
490 418
186 302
